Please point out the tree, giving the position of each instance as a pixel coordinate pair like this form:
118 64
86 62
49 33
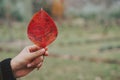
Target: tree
2 9
38 4
58 9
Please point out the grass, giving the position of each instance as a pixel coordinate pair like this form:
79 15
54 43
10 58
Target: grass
60 69
73 40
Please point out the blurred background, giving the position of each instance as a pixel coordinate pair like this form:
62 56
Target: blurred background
88 43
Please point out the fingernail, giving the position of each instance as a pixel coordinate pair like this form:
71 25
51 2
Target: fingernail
38 66
29 65
46 49
42 50
46 54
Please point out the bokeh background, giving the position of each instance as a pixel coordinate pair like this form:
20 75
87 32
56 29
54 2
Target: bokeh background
88 44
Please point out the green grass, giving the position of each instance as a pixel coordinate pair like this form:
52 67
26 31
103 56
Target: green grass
60 69
73 40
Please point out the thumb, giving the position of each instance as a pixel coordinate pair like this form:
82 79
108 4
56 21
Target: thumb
37 53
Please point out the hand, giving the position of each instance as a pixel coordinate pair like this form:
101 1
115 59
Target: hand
29 58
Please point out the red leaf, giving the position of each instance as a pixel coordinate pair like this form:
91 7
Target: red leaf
42 30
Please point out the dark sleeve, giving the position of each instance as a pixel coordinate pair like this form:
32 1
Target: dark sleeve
6 71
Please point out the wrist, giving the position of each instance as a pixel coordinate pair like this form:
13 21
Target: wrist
13 64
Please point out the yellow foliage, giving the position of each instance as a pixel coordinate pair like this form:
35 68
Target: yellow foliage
58 8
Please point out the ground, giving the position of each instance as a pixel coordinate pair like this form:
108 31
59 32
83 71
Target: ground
73 40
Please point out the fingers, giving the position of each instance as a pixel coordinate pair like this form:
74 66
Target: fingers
39 65
37 53
46 48
35 62
37 56
34 48
38 61
40 52
46 53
